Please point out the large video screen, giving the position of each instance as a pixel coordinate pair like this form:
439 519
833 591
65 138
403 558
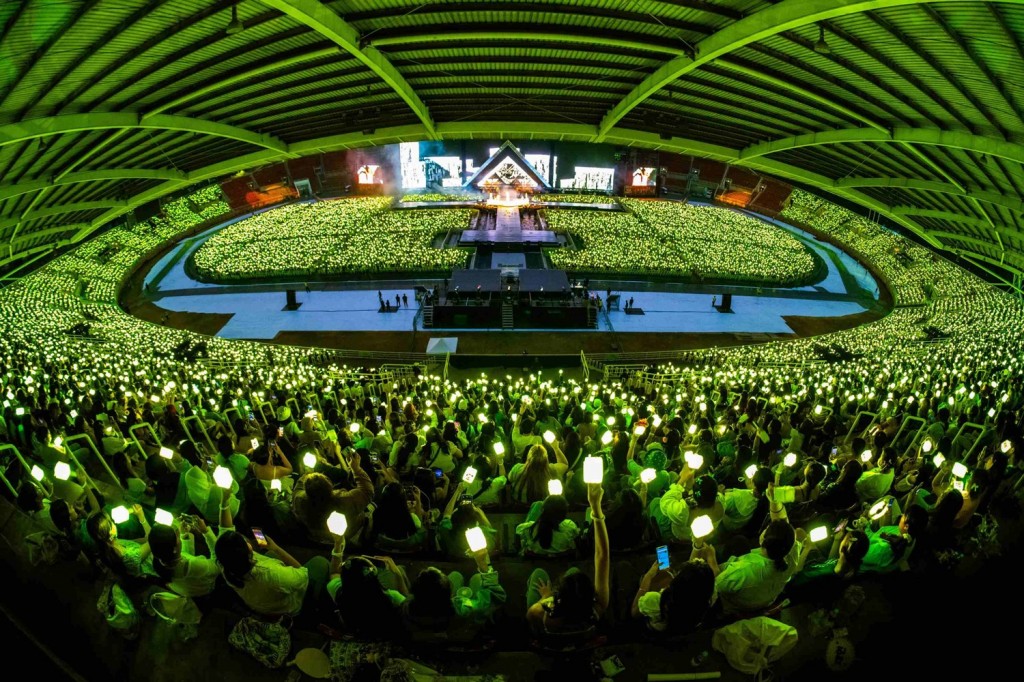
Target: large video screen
458 164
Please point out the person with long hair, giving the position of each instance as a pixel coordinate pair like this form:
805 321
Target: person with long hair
576 603
269 585
395 517
438 452
547 529
123 558
680 607
175 560
367 609
627 519
528 481
446 608
490 480
315 498
403 451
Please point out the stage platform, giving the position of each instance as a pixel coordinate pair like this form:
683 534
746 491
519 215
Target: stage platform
489 281
526 237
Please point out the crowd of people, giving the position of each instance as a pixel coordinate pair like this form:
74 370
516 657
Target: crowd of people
732 457
99 264
912 270
695 242
328 238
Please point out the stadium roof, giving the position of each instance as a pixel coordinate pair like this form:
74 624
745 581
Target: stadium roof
911 108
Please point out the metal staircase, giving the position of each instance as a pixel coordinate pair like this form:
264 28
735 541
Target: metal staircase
507 316
428 316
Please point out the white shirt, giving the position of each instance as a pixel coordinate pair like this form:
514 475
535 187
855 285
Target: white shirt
272 588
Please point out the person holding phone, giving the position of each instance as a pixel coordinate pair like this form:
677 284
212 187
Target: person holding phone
269 462
315 497
270 582
675 602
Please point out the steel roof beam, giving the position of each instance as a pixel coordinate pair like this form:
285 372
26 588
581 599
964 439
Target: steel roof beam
784 16
74 123
588 12
943 215
1007 202
60 210
324 21
977 260
920 136
67 227
8 191
49 246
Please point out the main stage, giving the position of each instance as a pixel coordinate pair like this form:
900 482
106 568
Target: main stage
511 298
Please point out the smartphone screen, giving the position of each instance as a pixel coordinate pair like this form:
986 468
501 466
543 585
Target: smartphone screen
280 431
663 560
261 539
841 527
438 473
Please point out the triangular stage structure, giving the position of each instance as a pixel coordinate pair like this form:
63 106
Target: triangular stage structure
508 167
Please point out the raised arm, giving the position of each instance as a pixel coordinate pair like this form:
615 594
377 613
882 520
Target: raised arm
454 500
337 556
602 557
226 521
559 455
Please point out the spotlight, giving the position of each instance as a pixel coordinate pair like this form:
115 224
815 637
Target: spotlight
236 26
821 47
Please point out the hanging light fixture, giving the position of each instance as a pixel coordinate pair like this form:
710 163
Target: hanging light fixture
821 47
236 26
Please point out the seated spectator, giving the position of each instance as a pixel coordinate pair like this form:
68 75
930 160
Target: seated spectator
275 585
841 494
576 603
890 547
33 501
445 607
314 498
875 482
843 563
753 581
675 510
741 505
269 463
528 481
626 519
680 607
399 516
460 515
438 453
175 560
367 609
123 558
547 529
489 482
